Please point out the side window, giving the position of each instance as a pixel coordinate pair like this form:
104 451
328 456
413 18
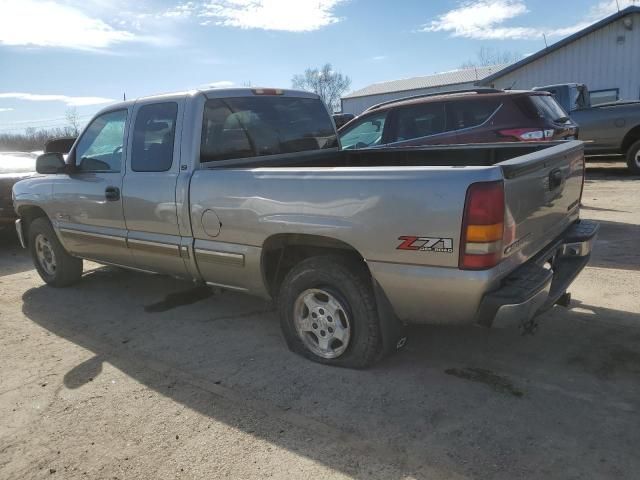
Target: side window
100 148
153 137
471 113
420 121
604 96
367 133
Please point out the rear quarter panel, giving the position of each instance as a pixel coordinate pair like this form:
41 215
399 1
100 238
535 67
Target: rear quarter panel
367 208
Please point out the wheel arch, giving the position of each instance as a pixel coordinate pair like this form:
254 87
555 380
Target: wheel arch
28 213
631 137
281 252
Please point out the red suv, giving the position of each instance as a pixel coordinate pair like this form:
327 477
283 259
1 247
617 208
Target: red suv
483 115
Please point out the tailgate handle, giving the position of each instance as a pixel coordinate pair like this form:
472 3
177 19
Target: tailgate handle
555 179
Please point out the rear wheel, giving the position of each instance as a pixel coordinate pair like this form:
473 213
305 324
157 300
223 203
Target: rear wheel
328 312
55 266
633 158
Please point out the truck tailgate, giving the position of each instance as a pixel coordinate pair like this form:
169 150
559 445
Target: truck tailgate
542 198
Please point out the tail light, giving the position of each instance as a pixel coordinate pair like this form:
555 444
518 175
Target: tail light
482 226
528 134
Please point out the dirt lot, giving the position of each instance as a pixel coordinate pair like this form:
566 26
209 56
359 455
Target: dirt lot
114 379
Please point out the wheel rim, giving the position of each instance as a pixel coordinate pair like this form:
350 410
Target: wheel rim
45 255
637 158
322 322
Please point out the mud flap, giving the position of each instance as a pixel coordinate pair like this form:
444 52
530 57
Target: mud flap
394 332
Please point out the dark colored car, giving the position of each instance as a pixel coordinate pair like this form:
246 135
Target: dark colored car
341 119
14 166
483 115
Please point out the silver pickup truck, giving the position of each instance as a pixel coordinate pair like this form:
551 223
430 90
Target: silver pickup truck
611 128
248 189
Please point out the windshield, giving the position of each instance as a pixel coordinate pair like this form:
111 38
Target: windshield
246 127
549 108
17 162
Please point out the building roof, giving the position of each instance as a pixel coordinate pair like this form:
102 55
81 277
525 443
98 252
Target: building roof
453 77
565 41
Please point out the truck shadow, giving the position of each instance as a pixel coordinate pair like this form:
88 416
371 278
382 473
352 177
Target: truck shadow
14 258
461 401
617 246
609 170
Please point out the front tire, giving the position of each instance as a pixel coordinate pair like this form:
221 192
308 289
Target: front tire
633 158
55 266
328 312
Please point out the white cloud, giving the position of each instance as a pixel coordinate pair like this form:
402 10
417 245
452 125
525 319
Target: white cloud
71 101
609 7
50 24
485 19
479 19
379 58
6 109
282 15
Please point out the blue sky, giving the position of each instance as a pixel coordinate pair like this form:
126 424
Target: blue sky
83 54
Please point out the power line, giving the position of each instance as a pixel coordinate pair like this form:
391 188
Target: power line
33 122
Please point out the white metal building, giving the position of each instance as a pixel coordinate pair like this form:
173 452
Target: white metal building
605 56
358 101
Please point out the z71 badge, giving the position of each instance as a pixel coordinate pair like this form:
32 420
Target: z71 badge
426 244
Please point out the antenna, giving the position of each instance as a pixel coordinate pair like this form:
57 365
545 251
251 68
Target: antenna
618 5
545 41
124 96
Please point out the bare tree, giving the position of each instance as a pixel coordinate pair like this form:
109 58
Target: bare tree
324 81
73 120
30 139
488 56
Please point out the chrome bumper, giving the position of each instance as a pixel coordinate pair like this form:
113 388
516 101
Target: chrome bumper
20 233
538 285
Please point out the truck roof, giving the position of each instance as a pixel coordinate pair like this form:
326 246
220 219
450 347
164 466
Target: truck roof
213 93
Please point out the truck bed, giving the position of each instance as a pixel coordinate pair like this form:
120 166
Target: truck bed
368 199
436 155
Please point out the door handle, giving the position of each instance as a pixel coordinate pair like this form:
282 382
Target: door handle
112 194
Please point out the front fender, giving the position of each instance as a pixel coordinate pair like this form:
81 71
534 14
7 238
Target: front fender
32 192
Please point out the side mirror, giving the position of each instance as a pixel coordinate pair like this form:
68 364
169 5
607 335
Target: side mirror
49 163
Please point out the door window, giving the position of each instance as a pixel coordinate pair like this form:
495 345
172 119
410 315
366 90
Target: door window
471 113
604 96
100 147
153 137
420 121
367 133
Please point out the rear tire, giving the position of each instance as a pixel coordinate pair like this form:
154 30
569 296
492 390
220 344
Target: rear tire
633 158
328 312
55 266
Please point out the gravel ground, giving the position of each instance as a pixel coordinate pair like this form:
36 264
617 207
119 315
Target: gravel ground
114 379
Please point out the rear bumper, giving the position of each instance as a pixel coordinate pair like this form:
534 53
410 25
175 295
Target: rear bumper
536 286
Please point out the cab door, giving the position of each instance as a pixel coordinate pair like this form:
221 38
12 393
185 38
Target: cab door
87 203
149 187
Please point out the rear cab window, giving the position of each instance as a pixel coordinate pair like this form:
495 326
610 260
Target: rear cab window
245 127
